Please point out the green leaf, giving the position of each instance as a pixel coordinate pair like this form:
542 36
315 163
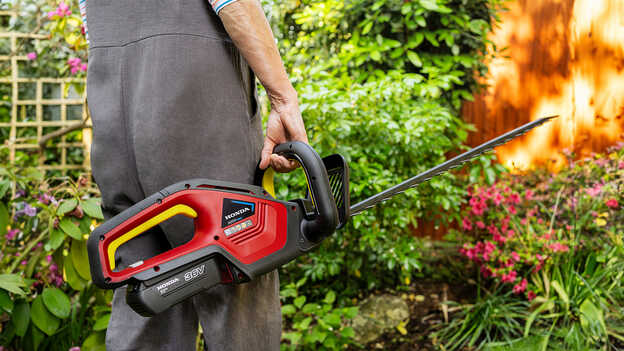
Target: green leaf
310 308
94 342
102 322
57 302
5 302
12 283
66 206
42 318
590 315
330 297
414 58
299 301
92 208
288 310
80 259
562 294
21 317
70 228
56 239
5 184
71 276
375 55
4 219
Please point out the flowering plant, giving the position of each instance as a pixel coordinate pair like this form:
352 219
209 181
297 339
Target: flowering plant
44 266
549 252
521 223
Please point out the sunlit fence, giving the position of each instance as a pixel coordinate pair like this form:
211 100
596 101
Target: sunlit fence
33 109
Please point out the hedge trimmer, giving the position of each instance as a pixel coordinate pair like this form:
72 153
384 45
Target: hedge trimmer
241 231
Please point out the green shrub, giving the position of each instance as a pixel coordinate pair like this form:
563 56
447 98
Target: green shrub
46 298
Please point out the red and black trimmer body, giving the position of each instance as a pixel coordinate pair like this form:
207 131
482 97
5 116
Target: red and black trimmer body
241 232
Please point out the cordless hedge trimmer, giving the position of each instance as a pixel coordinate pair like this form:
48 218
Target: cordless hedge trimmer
241 231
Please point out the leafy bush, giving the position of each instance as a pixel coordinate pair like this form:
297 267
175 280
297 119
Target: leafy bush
552 243
315 325
46 298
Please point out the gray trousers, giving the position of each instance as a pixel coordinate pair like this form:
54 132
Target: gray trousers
172 99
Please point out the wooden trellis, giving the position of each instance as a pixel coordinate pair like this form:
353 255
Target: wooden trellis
39 106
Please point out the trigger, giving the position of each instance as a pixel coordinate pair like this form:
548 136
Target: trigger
268 181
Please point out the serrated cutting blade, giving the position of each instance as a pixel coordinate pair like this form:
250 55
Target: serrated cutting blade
445 166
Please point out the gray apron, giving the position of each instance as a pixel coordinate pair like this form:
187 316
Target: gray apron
172 99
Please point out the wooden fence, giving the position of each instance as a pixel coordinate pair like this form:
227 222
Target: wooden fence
563 57
36 106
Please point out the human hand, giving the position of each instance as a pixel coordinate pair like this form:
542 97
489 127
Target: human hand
284 124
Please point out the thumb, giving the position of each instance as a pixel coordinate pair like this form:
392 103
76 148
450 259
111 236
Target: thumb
265 155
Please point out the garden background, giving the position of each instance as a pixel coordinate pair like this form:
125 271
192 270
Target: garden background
526 258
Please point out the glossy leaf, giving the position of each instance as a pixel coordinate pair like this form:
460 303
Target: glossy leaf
42 318
92 208
57 302
66 206
80 259
70 228
21 317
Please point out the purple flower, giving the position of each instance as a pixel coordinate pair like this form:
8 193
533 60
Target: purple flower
29 210
31 56
24 262
47 199
48 258
75 348
19 193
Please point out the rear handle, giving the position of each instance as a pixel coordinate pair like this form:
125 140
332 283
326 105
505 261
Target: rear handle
325 220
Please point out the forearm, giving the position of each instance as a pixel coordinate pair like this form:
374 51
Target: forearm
245 22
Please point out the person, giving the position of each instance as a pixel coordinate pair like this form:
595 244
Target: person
172 95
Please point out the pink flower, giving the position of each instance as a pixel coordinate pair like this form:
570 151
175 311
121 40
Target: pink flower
521 287
612 203
480 225
11 234
540 221
75 348
510 233
621 165
559 247
528 194
512 209
24 262
509 277
31 56
83 67
531 295
486 272
595 190
466 224
515 256
498 198
48 258
492 229
499 238
513 199
523 221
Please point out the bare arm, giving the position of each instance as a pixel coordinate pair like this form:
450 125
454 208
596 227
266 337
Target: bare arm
247 25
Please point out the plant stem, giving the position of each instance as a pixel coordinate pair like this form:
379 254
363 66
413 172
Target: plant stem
28 248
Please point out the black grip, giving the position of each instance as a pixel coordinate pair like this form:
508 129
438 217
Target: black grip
325 220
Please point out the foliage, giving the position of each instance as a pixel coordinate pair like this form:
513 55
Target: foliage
443 41
557 238
46 297
315 325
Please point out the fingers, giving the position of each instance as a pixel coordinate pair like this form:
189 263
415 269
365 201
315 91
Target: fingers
265 155
281 164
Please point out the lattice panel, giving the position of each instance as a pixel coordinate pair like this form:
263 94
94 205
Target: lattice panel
31 107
